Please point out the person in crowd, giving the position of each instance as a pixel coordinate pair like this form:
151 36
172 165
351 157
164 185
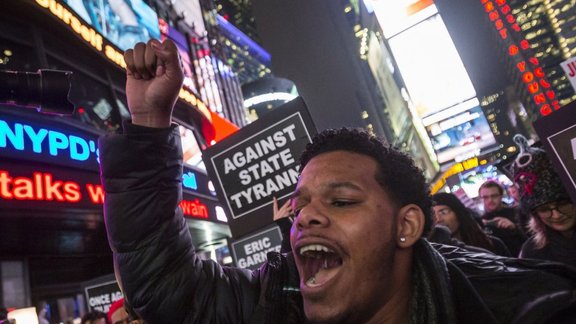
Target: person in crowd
449 211
283 217
514 194
94 317
121 313
500 220
358 254
553 215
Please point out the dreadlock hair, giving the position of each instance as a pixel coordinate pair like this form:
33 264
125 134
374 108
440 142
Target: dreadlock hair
397 174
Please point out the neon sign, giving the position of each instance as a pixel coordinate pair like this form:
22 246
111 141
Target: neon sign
531 72
22 189
194 208
32 142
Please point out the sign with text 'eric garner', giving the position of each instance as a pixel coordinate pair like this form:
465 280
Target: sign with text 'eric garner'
250 251
260 162
558 134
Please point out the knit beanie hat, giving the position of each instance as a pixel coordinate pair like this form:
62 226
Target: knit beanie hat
537 181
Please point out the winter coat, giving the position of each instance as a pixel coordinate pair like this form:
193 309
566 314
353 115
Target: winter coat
167 282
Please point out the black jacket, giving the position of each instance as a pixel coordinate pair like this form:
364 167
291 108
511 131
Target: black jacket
166 282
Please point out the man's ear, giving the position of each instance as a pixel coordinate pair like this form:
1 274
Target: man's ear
411 221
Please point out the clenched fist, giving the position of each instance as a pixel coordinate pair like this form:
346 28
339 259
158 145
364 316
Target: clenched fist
154 77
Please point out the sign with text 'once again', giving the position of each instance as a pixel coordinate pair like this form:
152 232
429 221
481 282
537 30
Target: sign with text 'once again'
260 162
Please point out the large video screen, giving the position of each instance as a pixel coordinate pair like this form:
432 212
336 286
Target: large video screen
395 16
431 67
460 132
122 22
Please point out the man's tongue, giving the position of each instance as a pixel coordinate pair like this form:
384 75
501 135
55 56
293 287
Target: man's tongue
320 270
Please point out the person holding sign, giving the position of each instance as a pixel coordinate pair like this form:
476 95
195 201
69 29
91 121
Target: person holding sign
361 211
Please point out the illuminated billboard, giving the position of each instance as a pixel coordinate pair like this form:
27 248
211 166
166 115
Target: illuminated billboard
459 132
395 16
122 22
431 67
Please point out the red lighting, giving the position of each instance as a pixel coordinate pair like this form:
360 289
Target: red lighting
499 24
493 15
527 77
521 66
513 50
535 80
539 98
81 110
489 6
544 83
545 110
41 186
510 19
194 208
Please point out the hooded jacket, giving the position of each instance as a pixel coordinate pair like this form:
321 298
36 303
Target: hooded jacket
167 282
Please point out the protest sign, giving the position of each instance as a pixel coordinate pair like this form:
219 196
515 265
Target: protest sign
558 134
260 162
250 251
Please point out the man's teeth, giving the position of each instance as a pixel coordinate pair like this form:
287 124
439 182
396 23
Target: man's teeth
315 247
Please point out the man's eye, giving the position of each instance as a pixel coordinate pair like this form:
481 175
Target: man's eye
343 203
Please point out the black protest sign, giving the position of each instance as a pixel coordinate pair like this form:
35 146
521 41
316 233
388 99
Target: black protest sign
101 293
558 134
250 251
260 162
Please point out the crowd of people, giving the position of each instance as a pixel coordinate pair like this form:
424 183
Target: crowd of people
362 232
365 242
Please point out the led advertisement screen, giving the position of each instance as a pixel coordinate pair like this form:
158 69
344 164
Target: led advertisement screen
395 16
459 132
431 67
122 22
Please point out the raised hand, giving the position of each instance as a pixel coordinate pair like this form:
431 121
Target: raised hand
284 211
154 77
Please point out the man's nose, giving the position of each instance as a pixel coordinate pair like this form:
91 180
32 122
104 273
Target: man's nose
311 216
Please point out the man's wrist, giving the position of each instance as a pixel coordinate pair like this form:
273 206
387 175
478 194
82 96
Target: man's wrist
152 121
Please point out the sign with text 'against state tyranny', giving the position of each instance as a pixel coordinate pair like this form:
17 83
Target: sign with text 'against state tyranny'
558 134
260 162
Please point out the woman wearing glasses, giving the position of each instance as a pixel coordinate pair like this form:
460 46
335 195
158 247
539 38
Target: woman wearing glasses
553 215
553 226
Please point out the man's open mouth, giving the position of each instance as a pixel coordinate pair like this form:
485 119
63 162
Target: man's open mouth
319 264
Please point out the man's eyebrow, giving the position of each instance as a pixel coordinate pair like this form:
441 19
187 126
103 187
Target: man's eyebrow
344 184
